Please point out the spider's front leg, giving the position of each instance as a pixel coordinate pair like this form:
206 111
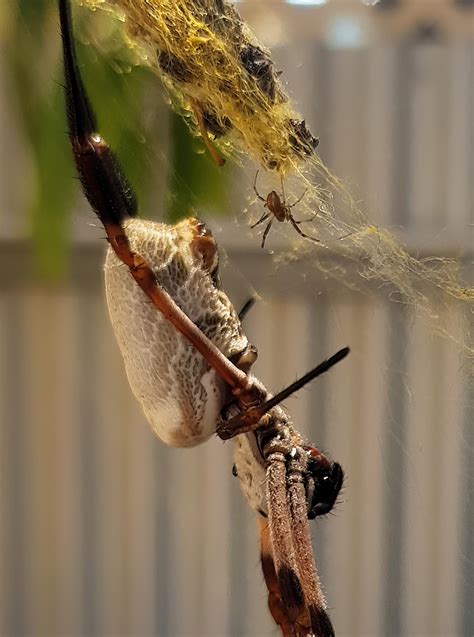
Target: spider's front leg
301 599
276 605
292 601
298 510
286 482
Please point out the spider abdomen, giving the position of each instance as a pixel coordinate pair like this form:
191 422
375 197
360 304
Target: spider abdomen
180 395
276 206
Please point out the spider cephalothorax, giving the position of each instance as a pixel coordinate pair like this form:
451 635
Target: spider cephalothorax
324 483
188 364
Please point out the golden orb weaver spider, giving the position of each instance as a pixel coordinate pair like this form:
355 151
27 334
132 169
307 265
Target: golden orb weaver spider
195 381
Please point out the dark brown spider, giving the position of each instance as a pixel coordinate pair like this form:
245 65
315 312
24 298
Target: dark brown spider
280 210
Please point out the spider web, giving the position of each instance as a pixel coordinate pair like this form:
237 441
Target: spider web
213 66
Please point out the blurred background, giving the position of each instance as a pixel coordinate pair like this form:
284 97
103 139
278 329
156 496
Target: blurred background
103 530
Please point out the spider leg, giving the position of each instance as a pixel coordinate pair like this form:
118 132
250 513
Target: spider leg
275 604
298 200
306 220
299 231
255 188
261 220
315 601
284 558
112 200
218 160
267 230
104 184
283 196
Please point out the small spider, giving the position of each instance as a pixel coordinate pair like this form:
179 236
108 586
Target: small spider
280 210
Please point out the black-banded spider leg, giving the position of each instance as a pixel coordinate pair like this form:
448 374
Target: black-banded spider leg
278 209
111 198
294 472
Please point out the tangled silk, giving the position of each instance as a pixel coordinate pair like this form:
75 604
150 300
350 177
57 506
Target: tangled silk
210 62
215 69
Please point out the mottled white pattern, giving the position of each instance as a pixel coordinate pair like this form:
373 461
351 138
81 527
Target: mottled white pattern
180 396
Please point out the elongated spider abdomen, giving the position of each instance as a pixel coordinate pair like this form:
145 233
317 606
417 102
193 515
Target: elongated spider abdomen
181 397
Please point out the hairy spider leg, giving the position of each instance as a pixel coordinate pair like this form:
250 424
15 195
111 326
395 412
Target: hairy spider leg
302 598
220 161
104 184
284 557
315 601
112 200
275 600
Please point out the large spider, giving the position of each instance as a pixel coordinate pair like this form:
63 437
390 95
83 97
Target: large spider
188 364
